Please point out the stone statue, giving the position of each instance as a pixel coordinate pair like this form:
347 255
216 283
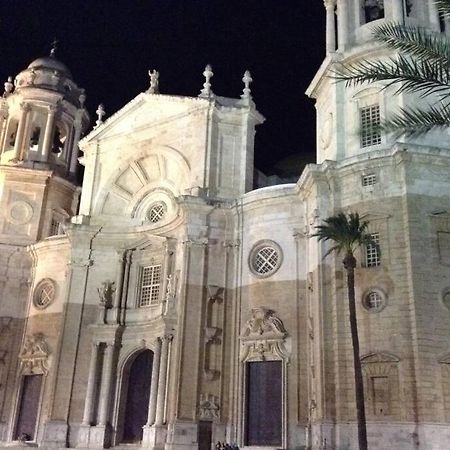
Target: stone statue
105 293
154 82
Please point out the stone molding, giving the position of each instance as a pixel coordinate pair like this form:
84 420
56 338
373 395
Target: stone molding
34 355
263 337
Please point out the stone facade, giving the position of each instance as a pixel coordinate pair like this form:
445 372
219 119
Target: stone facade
177 307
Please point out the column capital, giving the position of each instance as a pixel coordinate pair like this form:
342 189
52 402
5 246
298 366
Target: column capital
25 107
329 4
166 338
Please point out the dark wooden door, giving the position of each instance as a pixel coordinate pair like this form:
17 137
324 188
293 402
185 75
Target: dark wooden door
29 407
264 404
204 435
138 394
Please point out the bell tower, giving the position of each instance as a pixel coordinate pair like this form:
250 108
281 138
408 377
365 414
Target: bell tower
42 117
347 117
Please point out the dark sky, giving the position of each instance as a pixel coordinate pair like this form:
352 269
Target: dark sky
110 44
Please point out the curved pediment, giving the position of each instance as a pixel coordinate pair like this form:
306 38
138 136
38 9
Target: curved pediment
160 174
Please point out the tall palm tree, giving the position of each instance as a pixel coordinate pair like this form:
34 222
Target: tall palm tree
347 233
422 65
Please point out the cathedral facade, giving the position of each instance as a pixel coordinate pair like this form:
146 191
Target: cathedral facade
167 304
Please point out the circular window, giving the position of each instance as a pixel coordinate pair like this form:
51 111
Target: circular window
157 212
446 298
265 258
44 293
374 301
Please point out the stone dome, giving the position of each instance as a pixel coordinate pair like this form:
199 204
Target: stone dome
50 63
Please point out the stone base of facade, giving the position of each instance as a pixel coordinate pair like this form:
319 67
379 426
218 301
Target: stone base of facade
55 434
154 437
182 436
381 435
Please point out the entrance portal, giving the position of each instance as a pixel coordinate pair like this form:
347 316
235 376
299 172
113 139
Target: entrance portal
137 397
29 407
264 404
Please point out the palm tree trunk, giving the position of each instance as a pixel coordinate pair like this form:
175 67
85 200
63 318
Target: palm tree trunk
350 264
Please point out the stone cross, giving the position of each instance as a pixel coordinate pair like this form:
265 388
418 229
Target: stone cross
54 47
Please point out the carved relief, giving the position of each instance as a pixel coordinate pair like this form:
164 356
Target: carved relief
213 331
263 337
208 408
34 355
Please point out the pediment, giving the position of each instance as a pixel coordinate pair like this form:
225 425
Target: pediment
144 111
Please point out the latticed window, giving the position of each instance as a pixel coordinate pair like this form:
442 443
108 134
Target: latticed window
54 227
370 126
265 258
374 301
373 251
369 180
157 212
150 285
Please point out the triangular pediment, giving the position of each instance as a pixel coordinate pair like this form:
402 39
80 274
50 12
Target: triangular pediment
143 112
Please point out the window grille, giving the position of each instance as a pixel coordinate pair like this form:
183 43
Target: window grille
150 285
157 212
373 251
370 126
265 260
54 227
374 301
369 180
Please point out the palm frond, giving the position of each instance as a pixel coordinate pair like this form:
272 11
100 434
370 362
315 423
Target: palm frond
415 122
406 74
443 7
415 41
346 231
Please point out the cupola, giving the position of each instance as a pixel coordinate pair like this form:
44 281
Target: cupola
42 116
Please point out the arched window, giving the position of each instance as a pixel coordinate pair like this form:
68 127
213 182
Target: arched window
373 10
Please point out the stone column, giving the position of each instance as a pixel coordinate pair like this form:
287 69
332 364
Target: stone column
25 108
397 11
154 384
162 380
90 390
330 6
121 258
48 133
105 388
434 16
3 126
76 138
342 19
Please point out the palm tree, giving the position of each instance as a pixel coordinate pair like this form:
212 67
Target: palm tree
347 233
421 66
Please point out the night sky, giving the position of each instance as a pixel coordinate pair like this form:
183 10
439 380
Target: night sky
109 45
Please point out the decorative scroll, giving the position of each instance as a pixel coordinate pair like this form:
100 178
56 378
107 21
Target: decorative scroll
213 329
34 355
263 338
208 408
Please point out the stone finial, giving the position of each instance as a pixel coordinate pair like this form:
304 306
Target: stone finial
9 86
208 74
100 113
154 82
54 47
247 79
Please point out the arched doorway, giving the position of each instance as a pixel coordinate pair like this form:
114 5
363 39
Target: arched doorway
135 396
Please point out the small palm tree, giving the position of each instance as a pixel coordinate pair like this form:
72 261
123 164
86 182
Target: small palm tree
422 66
347 233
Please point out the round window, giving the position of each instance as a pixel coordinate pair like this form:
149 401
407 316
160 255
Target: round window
157 212
265 258
44 293
446 298
374 301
